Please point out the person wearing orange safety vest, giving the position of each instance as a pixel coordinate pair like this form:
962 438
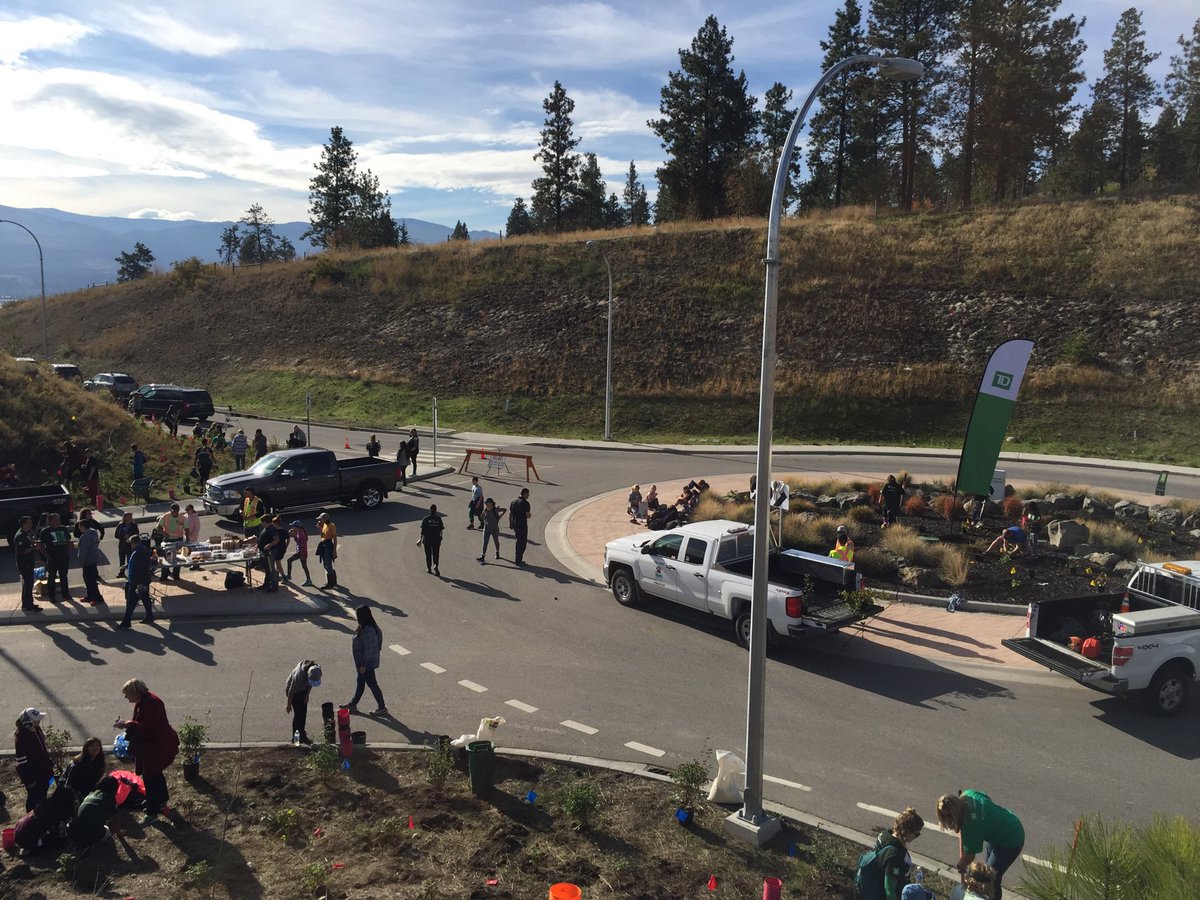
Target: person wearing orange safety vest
843 547
252 513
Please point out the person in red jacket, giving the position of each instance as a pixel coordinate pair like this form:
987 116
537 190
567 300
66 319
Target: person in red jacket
33 759
152 741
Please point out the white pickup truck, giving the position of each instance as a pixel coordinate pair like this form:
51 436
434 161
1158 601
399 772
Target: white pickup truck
708 566
1147 639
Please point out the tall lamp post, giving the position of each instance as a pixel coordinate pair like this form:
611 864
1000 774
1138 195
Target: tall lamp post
42 270
608 391
750 822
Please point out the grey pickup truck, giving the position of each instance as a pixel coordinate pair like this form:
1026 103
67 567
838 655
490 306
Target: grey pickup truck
311 477
33 500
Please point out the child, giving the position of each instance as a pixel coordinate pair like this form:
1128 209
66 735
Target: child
300 536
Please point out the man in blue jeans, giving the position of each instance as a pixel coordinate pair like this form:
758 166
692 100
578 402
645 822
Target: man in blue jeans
139 568
23 546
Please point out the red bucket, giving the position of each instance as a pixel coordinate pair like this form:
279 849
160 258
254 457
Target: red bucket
9 839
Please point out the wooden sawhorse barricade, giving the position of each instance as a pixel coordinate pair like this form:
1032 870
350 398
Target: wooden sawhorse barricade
497 462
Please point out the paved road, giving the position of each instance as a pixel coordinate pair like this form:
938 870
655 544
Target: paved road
847 735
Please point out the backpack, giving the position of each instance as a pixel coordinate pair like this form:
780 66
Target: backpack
868 879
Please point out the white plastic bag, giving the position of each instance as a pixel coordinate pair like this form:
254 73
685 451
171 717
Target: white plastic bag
730 782
488 727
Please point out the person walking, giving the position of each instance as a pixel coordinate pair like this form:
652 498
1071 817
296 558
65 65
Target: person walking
89 562
402 462
327 549
56 546
238 447
297 689
203 462
174 530
252 513
414 447
491 527
432 527
268 542
260 444
368 641
300 536
138 462
843 546
518 519
153 743
891 496
139 570
475 504
91 476
34 767
126 534
24 545
373 447
982 826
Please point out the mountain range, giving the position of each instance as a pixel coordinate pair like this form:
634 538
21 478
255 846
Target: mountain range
80 251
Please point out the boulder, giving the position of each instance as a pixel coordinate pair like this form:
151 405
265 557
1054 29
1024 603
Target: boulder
848 499
1083 549
1170 516
916 577
1124 568
1097 508
800 494
1195 532
1104 559
1066 534
1126 509
1064 502
826 502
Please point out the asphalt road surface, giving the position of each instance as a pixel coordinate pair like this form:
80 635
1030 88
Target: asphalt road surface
849 737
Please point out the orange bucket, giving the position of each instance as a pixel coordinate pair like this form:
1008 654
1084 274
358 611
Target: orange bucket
1075 643
565 891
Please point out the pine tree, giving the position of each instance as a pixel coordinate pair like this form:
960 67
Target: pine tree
708 121
332 192
777 118
832 152
637 207
614 212
230 242
134 264
587 207
460 232
554 192
972 42
519 220
402 234
1167 150
1128 88
1183 93
258 241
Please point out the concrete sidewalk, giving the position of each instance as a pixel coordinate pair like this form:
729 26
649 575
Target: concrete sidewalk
916 625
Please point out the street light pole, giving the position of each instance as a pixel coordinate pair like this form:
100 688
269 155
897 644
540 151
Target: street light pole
42 271
608 390
750 822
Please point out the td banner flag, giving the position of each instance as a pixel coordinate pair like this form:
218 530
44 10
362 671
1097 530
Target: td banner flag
989 419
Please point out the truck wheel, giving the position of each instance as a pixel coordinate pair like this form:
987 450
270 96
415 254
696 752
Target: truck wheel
370 496
741 630
1168 691
625 588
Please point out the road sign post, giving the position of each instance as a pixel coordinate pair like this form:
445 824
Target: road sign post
308 416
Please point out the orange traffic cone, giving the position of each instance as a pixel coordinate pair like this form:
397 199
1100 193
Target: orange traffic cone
347 443
1124 602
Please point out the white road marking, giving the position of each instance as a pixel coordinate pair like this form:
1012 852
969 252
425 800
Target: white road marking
891 814
1041 862
396 648
586 729
644 748
523 707
472 686
786 783
433 667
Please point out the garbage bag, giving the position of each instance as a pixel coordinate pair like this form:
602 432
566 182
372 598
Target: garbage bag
730 782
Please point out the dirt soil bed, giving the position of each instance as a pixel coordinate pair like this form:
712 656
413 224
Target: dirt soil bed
260 823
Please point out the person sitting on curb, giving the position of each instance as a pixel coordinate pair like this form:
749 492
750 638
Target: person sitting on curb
1012 541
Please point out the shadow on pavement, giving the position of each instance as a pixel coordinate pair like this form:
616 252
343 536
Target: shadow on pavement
480 589
1179 736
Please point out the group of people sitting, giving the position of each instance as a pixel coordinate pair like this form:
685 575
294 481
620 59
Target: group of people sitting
655 514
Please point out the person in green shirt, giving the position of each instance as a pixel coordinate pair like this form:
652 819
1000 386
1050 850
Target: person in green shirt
982 826
98 809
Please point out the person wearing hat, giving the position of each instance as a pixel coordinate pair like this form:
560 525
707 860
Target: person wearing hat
843 547
139 569
152 741
299 684
33 758
300 535
238 447
327 549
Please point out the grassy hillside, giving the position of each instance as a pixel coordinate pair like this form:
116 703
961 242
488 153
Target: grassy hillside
885 325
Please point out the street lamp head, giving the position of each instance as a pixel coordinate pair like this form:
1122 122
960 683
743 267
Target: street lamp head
898 68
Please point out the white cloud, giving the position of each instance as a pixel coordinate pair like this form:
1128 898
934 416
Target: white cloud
20 36
166 214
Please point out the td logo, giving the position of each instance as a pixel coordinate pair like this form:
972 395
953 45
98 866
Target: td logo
1002 380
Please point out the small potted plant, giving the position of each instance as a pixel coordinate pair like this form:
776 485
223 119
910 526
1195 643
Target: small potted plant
690 780
193 735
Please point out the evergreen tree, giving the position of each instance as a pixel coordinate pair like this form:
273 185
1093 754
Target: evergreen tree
972 42
1183 93
1167 148
587 207
460 232
637 207
134 264
332 192
371 223
614 212
708 121
554 192
832 151
751 182
1086 166
1128 88
230 242
402 235
519 220
777 118
258 242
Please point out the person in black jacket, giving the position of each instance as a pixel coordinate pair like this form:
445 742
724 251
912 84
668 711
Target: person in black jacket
432 527
24 545
34 767
127 535
414 447
57 545
203 461
891 496
84 772
139 567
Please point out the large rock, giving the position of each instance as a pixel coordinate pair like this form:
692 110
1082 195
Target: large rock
1126 509
847 499
1170 516
1124 568
1064 502
1105 560
1098 508
1195 532
1084 549
1066 534
916 577
827 502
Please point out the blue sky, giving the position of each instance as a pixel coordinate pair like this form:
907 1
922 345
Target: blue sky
196 111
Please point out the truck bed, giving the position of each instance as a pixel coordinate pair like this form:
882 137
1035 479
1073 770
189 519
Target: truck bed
824 609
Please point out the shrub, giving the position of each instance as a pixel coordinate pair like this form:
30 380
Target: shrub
862 514
954 566
193 735
314 877
1012 507
874 492
438 766
198 874
191 273
690 779
944 506
709 508
284 822
916 506
57 741
903 541
324 761
872 564
1113 537
581 801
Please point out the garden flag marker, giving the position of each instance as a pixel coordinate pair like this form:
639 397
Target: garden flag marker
989 419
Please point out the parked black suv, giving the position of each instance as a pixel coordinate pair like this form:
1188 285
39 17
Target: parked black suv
157 399
118 384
